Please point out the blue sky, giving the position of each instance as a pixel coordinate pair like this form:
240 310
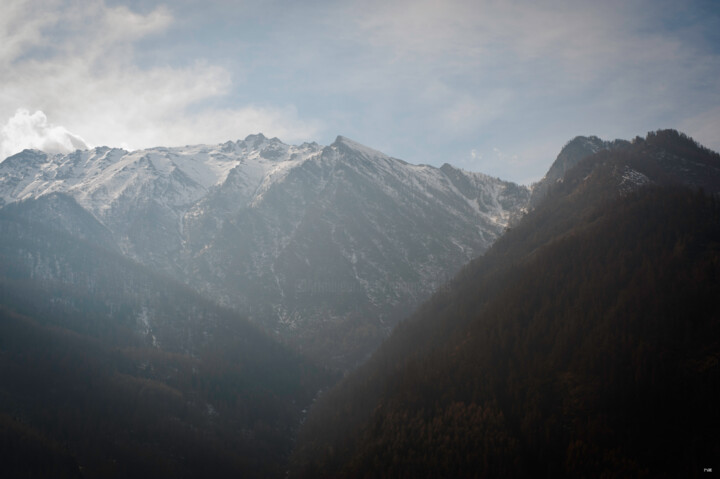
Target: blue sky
490 86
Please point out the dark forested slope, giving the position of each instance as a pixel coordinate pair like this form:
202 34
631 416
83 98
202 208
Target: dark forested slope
110 370
584 343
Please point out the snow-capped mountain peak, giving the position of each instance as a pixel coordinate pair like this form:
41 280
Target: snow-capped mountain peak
346 145
300 238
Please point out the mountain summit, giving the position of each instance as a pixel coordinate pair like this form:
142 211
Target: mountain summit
571 154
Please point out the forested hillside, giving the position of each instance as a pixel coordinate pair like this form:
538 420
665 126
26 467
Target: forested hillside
111 370
583 344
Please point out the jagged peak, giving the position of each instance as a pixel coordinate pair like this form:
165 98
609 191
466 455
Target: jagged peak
588 142
255 140
577 149
268 147
101 150
572 153
27 154
343 143
448 166
255 137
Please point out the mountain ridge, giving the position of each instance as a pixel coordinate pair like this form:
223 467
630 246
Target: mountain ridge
248 223
274 230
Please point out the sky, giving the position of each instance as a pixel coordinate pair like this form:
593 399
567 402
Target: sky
491 86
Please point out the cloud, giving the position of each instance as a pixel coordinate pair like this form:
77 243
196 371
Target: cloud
517 73
25 130
78 63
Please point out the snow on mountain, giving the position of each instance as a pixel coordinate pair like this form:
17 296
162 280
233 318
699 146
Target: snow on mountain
327 246
100 178
631 179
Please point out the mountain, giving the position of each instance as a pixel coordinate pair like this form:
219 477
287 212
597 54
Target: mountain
571 154
583 343
111 369
124 276
326 247
127 280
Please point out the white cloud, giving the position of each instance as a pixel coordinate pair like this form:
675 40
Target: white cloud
25 130
76 62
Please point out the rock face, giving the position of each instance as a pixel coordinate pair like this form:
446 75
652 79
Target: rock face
571 154
327 247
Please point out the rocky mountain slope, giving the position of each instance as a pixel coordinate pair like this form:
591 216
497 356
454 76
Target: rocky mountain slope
327 247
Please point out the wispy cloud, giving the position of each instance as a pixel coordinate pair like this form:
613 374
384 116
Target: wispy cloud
517 73
76 62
